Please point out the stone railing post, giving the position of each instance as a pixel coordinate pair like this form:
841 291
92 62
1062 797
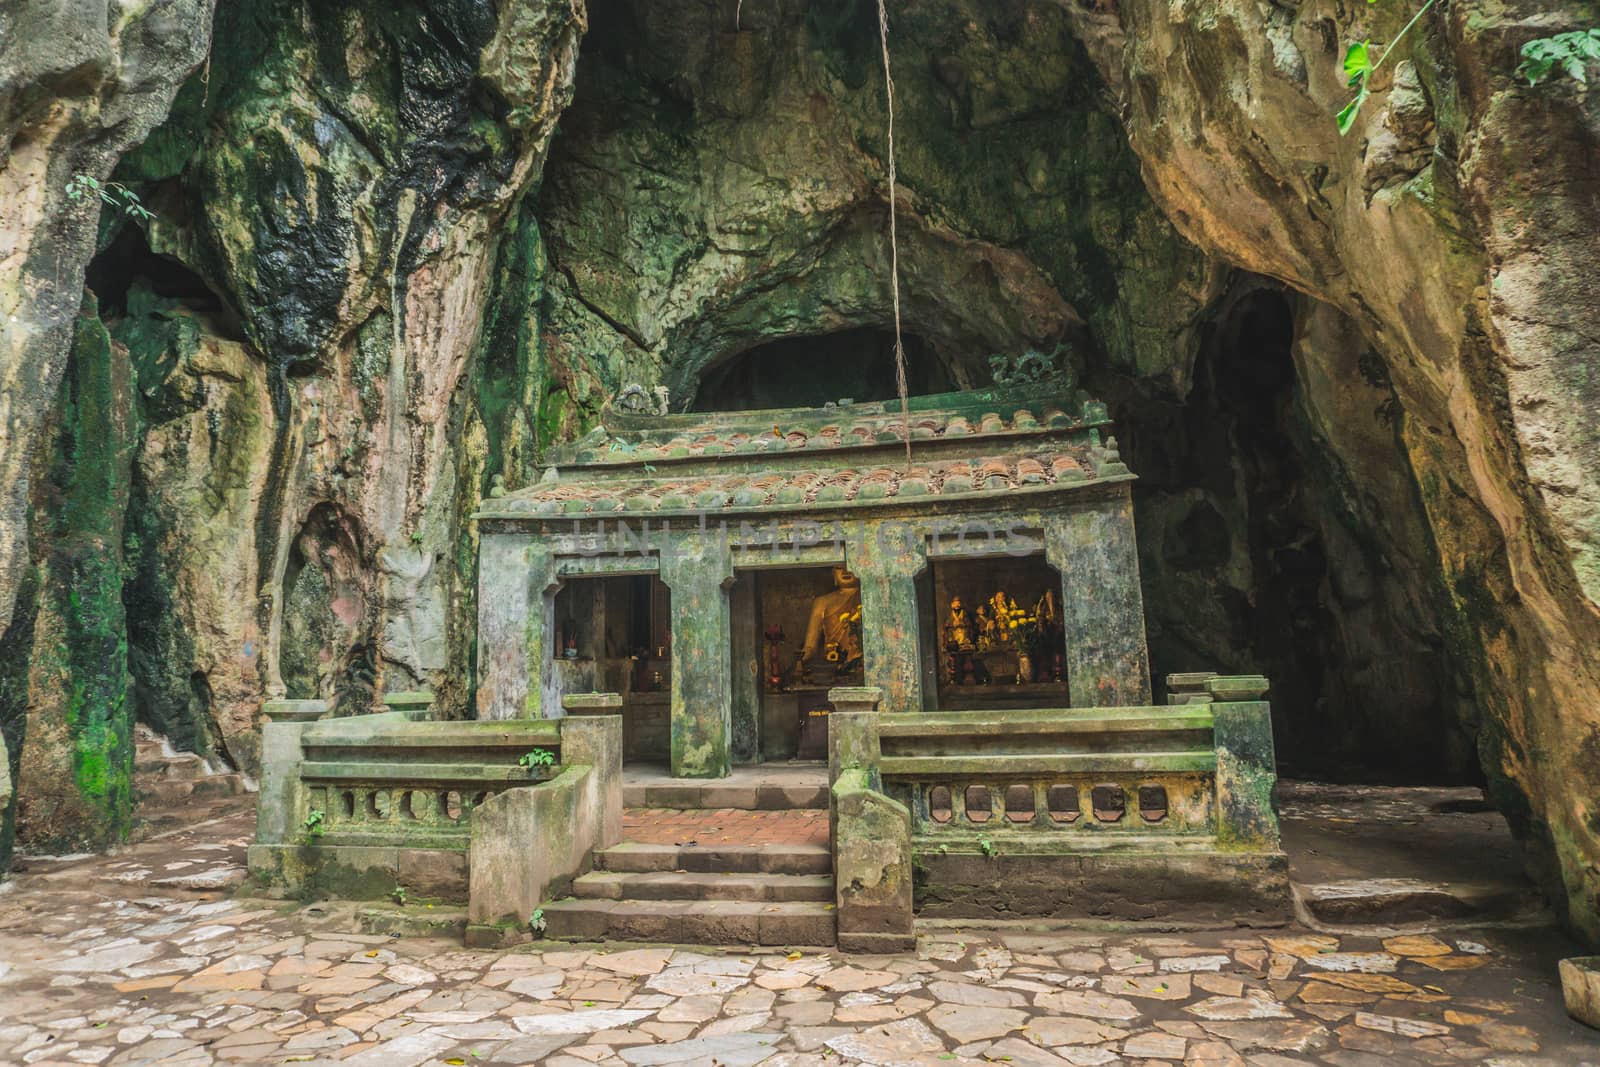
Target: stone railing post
279 801
852 739
871 868
594 737
1247 772
870 833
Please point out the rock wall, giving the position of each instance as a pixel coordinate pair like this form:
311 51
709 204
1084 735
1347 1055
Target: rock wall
1352 372
1452 229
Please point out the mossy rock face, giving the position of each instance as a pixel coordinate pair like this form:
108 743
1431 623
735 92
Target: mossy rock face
693 216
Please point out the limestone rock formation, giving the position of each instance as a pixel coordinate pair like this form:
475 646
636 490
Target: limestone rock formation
1455 227
395 255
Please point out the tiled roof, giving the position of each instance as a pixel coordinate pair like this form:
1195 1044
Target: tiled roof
982 443
813 488
623 438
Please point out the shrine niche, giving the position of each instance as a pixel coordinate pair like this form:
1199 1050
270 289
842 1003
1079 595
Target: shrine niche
789 551
999 639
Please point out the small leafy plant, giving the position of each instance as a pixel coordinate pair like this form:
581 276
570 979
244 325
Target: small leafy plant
1359 67
314 824
987 847
536 921
119 197
398 895
539 757
1572 52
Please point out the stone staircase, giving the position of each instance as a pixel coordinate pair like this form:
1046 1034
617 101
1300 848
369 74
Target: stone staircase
740 861
165 778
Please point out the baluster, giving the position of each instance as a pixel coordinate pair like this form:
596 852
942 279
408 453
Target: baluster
1041 805
958 805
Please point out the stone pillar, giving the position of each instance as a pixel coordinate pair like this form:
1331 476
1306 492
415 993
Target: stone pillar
698 568
516 581
1247 769
1102 608
852 741
853 730
887 560
749 654
279 802
590 736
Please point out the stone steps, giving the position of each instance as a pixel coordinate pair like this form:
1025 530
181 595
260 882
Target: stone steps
714 894
1359 904
672 885
637 857
166 793
183 766
165 779
700 922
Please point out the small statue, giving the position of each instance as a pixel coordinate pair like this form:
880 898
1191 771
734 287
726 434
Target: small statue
497 486
774 668
957 629
986 634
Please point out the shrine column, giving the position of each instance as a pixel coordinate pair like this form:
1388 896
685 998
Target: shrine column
887 557
1102 609
698 569
516 589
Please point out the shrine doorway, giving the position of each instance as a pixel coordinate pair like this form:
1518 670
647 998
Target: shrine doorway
613 634
1003 646
796 634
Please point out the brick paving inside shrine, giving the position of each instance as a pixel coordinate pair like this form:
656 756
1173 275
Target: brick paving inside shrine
138 958
724 826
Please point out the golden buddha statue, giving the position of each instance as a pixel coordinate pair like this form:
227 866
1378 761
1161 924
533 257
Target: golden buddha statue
834 628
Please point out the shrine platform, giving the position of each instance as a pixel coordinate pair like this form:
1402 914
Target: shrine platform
751 787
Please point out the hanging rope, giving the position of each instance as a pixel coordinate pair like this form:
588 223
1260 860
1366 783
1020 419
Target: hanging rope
894 242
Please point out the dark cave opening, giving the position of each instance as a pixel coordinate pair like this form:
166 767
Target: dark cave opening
1253 563
856 364
111 274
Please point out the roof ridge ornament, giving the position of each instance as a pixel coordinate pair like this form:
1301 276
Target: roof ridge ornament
633 399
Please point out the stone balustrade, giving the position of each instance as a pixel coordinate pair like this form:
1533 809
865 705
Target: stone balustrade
359 806
1057 812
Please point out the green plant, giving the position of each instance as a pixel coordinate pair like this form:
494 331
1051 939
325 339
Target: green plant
539 757
118 196
1572 52
1359 66
987 847
398 895
536 921
314 823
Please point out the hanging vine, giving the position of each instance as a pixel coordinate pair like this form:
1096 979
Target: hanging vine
894 240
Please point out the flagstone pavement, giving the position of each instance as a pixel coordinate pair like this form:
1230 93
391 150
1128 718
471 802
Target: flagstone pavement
145 957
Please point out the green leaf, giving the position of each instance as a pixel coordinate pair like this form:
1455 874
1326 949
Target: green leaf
1347 117
1357 62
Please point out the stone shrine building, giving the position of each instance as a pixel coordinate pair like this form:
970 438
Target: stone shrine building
945 653
662 556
